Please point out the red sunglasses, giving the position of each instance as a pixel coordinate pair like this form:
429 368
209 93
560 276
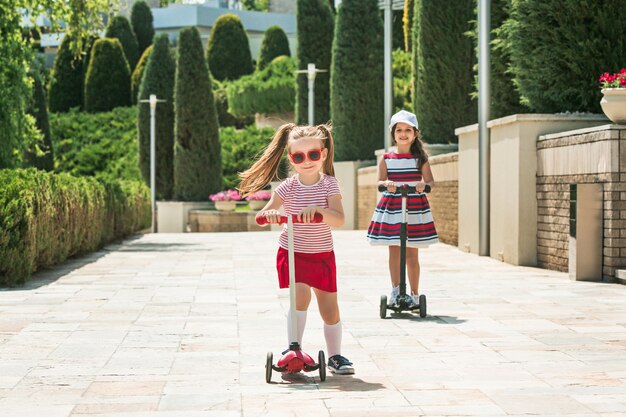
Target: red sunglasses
299 157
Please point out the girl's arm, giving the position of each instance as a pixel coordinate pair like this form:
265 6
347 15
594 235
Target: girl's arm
427 176
270 211
333 215
382 177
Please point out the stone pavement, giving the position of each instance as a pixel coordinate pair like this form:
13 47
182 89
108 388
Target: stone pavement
179 325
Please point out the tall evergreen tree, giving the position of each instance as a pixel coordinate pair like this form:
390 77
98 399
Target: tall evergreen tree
119 27
407 24
197 154
158 79
137 74
228 50
316 25
107 84
43 157
141 19
275 43
357 81
66 84
445 62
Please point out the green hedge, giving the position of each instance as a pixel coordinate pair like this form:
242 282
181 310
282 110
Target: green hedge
46 218
271 90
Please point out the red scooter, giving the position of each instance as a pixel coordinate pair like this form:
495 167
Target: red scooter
295 359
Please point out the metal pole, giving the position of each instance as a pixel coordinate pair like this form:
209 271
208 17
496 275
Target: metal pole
153 104
484 30
388 90
311 77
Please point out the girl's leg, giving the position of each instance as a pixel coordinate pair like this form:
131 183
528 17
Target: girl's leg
394 265
329 310
303 298
413 269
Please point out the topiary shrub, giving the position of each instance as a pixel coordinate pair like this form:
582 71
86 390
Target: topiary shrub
357 81
228 50
197 159
158 79
107 84
66 84
268 91
137 75
225 117
315 25
558 49
119 28
445 64
274 44
141 20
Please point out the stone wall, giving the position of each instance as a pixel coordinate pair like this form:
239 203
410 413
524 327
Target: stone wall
594 155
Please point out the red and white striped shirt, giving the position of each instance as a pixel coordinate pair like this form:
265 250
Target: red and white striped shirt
309 237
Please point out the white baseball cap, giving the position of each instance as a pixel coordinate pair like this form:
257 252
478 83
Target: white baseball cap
403 116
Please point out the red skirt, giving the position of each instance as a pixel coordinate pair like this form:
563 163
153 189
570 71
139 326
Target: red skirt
317 270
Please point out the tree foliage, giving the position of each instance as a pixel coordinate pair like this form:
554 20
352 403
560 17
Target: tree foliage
228 50
66 85
107 84
315 25
274 44
119 28
197 160
40 154
142 22
357 81
137 74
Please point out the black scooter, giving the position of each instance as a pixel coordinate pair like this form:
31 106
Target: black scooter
404 302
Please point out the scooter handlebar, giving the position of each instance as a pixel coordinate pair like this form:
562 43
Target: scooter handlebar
410 189
262 220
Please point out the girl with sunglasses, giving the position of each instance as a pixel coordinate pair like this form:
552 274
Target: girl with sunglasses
408 164
312 189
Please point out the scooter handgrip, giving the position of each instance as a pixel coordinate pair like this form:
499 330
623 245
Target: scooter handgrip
410 188
262 220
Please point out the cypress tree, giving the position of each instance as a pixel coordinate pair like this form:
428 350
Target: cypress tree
119 28
228 50
407 23
158 79
559 49
357 81
316 25
197 159
137 75
274 44
107 84
445 64
44 159
141 20
66 84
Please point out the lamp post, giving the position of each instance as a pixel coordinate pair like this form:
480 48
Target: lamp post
311 73
484 29
153 103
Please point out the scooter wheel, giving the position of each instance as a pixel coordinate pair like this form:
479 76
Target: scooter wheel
321 360
422 302
268 367
383 306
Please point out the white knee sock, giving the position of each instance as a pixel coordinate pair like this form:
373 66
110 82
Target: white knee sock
301 322
332 333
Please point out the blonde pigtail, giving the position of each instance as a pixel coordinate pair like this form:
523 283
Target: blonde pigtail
329 166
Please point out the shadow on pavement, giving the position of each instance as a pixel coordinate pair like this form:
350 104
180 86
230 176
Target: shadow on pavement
333 382
434 319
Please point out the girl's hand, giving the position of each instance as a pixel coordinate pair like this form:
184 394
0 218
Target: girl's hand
272 216
391 186
420 186
307 213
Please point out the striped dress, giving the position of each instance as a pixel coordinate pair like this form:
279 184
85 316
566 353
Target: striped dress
384 228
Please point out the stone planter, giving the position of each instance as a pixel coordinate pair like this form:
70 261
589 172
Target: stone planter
229 205
614 104
172 216
257 204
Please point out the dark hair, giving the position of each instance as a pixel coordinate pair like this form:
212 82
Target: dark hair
417 147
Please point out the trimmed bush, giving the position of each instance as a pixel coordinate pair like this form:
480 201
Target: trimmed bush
316 25
197 159
66 84
46 218
225 118
158 80
239 149
137 75
40 155
141 20
228 50
271 90
107 84
559 49
102 145
274 44
401 68
445 64
119 28
357 81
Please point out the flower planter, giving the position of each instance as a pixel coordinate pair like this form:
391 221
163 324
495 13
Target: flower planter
614 104
257 204
225 205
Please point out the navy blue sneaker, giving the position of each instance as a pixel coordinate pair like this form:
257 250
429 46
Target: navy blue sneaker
340 365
